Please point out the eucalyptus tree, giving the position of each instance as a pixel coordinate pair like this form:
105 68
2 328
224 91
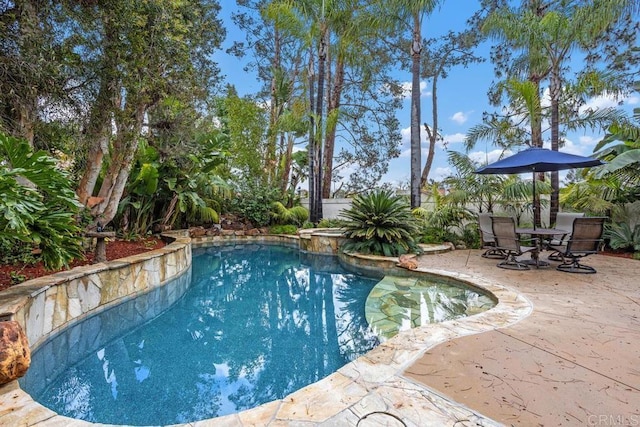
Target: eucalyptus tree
276 38
139 53
350 106
550 31
414 12
33 70
441 55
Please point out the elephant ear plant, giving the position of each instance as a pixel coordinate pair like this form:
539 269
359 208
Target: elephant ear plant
380 223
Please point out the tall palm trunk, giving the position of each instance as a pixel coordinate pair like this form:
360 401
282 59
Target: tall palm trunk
536 141
330 138
272 133
554 89
416 163
316 212
311 151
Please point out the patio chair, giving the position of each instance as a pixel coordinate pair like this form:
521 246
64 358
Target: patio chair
564 221
586 239
507 240
487 239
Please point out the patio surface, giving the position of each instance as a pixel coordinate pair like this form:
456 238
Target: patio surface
575 360
559 349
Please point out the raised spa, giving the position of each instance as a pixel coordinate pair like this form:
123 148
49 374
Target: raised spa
249 324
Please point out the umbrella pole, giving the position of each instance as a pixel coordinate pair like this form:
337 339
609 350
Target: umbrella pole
535 201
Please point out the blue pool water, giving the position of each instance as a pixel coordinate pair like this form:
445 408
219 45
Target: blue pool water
251 324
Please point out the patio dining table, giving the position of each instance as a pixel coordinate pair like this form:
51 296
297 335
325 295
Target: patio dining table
540 233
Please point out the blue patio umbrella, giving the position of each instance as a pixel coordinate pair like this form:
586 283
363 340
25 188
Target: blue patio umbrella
538 160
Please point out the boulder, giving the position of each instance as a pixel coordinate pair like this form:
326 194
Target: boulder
408 262
252 232
196 231
15 355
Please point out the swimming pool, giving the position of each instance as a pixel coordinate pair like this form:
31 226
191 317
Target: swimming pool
253 326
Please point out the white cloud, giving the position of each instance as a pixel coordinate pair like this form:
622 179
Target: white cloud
460 117
406 89
453 138
632 100
590 141
599 103
406 153
439 174
570 147
405 142
485 158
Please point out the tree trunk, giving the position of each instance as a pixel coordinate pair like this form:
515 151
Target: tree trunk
316 215
536 141
99 127
330 138
432 133
272 133
124 149
97 137
311 151
554 90
416 163
286 167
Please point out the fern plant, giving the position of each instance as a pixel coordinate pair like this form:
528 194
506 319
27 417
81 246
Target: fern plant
296 215
380 223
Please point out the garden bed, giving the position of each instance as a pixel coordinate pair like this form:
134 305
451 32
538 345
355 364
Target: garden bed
13 274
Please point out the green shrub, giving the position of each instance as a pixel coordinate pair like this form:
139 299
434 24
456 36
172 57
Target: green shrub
283 229
330 223
621 236
255 203
380 223
296 215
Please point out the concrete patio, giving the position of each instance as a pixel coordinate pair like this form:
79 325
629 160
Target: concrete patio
575 360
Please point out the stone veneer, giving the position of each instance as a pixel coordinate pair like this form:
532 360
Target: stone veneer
371 389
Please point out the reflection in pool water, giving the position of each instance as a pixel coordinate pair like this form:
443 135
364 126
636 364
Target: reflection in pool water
253 326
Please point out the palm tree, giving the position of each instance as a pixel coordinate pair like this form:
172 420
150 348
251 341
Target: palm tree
414 11
549 33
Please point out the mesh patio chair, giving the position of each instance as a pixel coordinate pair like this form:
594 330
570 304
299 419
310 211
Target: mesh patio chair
586 239
507 240
487 239
564 221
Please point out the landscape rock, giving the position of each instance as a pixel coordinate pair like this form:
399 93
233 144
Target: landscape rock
15 355
197 231
408 262
252 232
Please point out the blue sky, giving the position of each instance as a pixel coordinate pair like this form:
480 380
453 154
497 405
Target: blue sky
462 96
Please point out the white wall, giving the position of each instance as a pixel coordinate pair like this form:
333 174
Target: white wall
330 207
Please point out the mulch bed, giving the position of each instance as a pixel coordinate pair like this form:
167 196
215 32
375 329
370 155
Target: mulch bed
115 249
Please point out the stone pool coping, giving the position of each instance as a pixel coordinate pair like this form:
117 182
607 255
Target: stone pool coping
372 388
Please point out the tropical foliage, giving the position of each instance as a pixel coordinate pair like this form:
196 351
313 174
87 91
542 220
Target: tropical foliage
38 207
622 236
380 223
125 97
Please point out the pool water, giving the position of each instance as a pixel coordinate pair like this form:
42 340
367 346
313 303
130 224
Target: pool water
252 326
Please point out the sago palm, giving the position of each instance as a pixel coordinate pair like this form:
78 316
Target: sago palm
380 223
